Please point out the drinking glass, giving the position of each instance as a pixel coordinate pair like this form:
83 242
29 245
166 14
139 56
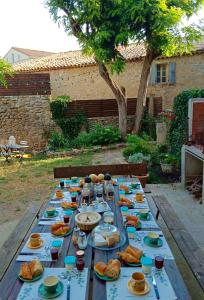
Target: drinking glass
54 253
159 261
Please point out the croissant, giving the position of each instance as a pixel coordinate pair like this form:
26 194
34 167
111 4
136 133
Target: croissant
113 268
57 226
134 251
100 268
35 267
132 218
61 230
25 271
131 223
127 257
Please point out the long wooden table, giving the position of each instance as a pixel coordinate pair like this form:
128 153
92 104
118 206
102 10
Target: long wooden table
96 289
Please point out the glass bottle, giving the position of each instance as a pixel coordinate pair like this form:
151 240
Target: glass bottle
110 191
75 235
99 192
107 180
85 195
88 184
82 240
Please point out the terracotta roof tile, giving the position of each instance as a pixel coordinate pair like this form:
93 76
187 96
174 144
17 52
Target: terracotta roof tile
33 53
73 59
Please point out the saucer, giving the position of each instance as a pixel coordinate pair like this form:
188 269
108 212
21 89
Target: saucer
56 213
43 293
35 247
133 291
148 243
139 226
31 280
106 278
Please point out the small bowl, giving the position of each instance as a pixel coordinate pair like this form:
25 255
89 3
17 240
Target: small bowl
50 283
74 179
153 237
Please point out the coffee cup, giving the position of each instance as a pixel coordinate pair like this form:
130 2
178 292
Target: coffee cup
139 197
50 211
144 213
138 281
50 284
153 237
59 194
35 239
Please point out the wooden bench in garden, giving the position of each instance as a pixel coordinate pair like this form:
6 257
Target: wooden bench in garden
185 242
14 242
119 169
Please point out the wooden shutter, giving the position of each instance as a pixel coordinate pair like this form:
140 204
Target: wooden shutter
157 106
172 73
153 74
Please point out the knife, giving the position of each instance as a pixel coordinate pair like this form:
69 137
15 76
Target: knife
31 253
155 287
68 288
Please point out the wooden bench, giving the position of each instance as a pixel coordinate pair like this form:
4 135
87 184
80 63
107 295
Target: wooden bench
185 242
119 169
15 240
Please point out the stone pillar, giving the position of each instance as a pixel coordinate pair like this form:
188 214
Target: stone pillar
161 131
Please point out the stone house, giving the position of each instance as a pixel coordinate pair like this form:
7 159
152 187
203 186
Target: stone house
15 54
76 75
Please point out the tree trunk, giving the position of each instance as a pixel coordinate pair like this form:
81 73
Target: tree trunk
120 98
141 97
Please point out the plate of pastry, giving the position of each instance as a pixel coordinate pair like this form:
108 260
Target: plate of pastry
32 271
69 205
109 271
125 202
106 238
131 256
133 221
60 229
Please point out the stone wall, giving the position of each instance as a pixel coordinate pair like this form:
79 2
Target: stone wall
27 118
85 83
25 109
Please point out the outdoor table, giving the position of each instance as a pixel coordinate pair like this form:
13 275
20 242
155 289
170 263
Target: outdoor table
7 151
96 289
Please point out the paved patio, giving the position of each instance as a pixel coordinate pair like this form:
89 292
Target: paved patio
191 213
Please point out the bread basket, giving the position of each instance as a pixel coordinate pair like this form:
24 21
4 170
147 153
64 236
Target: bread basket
86 221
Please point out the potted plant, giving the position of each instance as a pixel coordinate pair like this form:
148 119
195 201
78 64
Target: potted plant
168 162
139 158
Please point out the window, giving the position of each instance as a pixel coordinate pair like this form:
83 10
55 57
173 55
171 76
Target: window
161 73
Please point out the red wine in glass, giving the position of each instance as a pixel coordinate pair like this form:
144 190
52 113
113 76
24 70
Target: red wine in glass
80 264
54 253
66 219
159 262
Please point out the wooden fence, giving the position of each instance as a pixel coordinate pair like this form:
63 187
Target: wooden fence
100 108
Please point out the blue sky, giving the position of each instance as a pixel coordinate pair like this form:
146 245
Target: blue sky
27 24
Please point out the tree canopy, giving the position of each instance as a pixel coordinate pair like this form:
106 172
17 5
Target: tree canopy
5 69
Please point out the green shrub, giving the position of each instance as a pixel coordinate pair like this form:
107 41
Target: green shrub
138 158
82 140
56 141
137 145
148 125
179 127
98 135
70 126
169 159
